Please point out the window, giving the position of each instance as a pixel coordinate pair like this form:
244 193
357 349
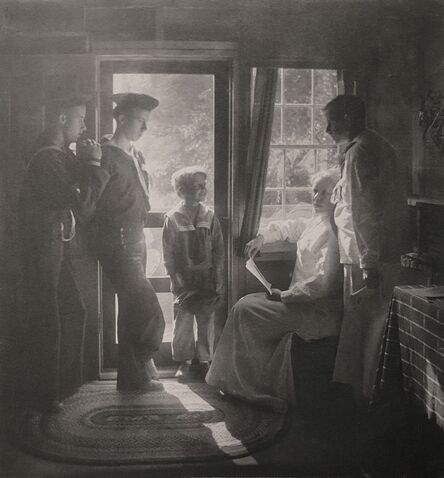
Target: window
299 145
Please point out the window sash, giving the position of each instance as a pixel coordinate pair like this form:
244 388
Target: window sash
281 105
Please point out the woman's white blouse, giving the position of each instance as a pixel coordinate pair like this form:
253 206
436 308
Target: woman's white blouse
316 271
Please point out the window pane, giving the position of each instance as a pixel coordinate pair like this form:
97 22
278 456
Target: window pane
271 213
180 131
275 173
325 86
166 304
297 86
272 197
320 124
302 209
297 125
154 261
279 88
298 203
298 196
299 166
277 126
327 158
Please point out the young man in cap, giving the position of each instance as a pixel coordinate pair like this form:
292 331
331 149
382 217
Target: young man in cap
120 244
58 189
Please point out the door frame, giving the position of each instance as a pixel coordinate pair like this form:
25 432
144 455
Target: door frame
225 141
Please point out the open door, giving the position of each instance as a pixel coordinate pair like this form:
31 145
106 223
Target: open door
190 126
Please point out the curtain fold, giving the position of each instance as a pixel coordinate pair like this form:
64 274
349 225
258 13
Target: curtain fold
258 151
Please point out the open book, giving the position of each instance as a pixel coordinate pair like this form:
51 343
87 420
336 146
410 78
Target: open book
252 267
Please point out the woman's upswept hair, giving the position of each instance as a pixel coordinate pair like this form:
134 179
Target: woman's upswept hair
183 179
331 176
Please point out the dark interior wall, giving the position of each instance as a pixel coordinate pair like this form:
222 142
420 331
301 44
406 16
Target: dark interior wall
391 90
47 43
428 149
428 169
271 27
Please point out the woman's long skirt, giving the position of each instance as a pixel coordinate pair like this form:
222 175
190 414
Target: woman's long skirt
253 356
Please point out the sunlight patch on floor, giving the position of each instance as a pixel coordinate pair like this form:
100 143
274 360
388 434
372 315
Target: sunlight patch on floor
190 400
221 434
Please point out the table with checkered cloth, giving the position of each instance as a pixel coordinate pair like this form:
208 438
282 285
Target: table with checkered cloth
412 354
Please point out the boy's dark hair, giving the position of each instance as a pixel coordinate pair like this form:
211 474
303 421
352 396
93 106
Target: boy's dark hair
347 105
56 106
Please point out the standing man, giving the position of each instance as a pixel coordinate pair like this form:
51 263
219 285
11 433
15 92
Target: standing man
363 213
58 190
120 244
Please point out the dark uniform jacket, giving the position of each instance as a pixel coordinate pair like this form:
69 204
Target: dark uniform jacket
58 190
124 201
57 183
193 249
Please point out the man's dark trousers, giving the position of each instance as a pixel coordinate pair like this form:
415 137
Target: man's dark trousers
122 254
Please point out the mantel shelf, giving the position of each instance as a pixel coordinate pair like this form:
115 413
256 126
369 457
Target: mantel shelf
414 200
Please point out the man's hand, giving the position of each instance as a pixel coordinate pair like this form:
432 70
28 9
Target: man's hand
370 278
275 295
254 246
89 149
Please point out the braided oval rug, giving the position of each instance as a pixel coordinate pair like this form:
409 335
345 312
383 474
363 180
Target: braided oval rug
184 422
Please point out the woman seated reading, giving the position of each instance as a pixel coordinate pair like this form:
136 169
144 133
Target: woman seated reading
252 360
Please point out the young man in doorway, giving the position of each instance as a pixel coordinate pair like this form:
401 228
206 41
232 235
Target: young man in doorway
119 244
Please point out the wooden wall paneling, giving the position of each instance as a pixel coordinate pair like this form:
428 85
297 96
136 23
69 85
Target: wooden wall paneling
46 17
135 23
200 24
8 278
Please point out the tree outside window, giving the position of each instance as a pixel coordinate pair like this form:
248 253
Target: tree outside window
299 145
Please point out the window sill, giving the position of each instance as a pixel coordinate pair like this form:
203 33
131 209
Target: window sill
277 251
414 200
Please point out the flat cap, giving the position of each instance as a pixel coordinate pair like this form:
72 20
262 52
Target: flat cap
126 101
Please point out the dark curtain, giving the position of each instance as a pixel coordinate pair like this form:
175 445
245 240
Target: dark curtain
258 150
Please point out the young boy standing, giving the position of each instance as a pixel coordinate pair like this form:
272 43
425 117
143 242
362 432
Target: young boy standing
193 252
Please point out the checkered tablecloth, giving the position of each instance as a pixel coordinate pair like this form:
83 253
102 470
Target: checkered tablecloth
412 354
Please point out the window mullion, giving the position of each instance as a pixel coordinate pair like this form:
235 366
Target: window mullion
282 140
282 105
284 185
312 106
